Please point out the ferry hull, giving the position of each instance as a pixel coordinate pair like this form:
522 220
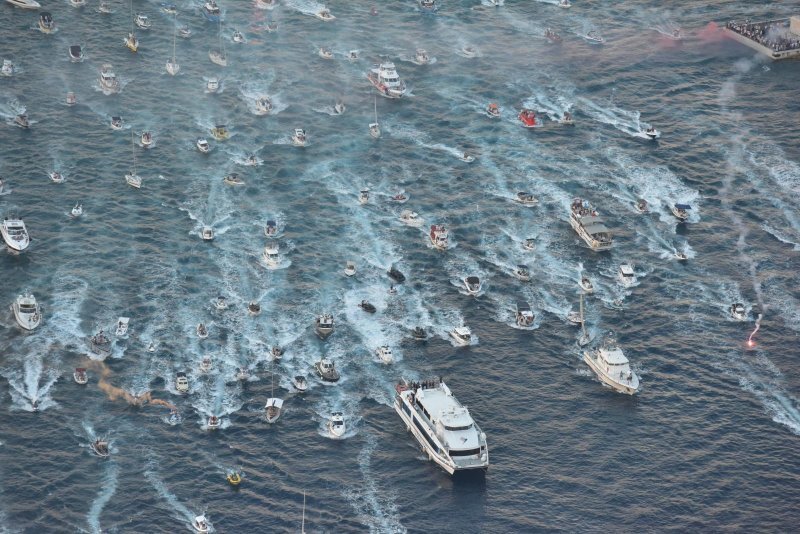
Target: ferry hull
593 243
605 379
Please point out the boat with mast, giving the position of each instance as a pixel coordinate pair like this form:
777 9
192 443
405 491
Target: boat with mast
375 128
584 339
172 65
131 41
274 404
133 179
218 56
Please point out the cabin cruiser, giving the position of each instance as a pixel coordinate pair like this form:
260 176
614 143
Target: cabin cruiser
207 233
385 79
22 121
564 3
220 303
233 178
363 196
299 137
263 105
80 376
427 5
400 198
473 285
205 364
200 523
529 244
524 315
220 132
142 22
324 325
212 85
116 123
299 382
325 53
100 447
181 382
493 111
528 118
211 11
384 354
461 335
681 211
367 306
641 206
586 284
46 22
336 425
203 146
350 269
238 37
626 275
439 236
419 333
71 99
56 177
100 346
522 272
395 274
272 410
108 80
326 370
552 36
594 38
122 326
202 331
27 311
324 14
567 119
411 218
339 107
7 68
133 180
131 42
75 53
526 199
184 32
253 308
442 426
271 257
15 234
352 55
147 139
271 229
652 133
738 311
611 366
589 225
77 211
25 4
421 57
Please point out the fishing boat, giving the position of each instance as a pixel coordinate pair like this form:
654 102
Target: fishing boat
324 325
524 315
336 425
367 306
350 268
626 275
263 105
77 211
528 118
233 178
594 38
100 447
116 123
271 228
270 255
327 370
384 354
325 53
46 22
71 99
439 236
172 64
15 234
220 132
526 199
211 11
80 376
588 224
272 410
99 346
442 426
207 233
611 366
299 137
300 383
25 4
131 178
681 211
385 79
200 523
203 146
27 312
181 382
493 111
324 14
472 284
122 326
738 311
421 57
108 80
411 218
218 56
75 53
461 335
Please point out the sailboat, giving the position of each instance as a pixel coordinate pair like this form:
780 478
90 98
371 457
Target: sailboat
133 179
172 65
274 404
131 41
375 128
584 338
218 56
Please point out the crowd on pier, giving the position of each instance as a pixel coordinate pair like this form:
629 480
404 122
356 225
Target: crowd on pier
775 35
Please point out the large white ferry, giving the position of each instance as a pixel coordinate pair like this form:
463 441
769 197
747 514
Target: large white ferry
15 234
589 225
442 425
386 80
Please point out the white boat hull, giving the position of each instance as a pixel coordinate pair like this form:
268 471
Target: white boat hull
629 388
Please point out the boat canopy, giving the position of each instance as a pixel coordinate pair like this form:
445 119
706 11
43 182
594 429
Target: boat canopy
75 50
683 206
614 356
594 225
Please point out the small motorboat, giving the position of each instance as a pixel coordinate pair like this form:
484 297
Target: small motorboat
211 11
238 37
676 35
352 55
25 4
461 335
205 364
109 83
75 53
299 137
392 290
253 308
299 382
271 255
71 99
122 326
586 284
27 312
652 133
411 218
271 229
641 206
526 199
336 425
184 32
681 256
220 303
133 180
200 523
384 354
203 146
493 111
528 118
220 132
100 346
472 284
100 447
151 347
427 5
367 306
350 269
46 22
326 370
272 410
468 51
324 14
116 123
80 376
324 325
147 139
212 85
169 9
522 272
439 236
738 311
339 107
131 42
263 105
207 233
276 351
56 177
400 198
233 179
524 315
564 3
681 211
77 211
421 57
567 119
234 478
104 8
202 331
529 244
181 382
8 68
15 234
363 196
552 36
325 53
419 333
142 22
626 275
466 158
395 274
242 375
594 38
22 121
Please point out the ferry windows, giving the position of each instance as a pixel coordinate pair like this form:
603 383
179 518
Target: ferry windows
468 452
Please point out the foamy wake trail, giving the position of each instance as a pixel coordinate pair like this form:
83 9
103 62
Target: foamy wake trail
621 119
107 491
167 495
307 7
763 380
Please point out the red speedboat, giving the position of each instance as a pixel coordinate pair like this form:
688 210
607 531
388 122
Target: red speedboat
528 118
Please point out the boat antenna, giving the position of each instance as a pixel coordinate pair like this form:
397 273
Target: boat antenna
303 524
133 151
583 323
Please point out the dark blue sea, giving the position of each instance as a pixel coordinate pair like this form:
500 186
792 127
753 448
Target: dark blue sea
710 443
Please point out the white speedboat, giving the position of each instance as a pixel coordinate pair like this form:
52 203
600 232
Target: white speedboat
108 80
324 325
8 68
594 38
80 376
421 57
439 236
461 335
99 346
181 382
567 119
25 4
564 4
427 5
327 370
325 15
271 228
251 161
203 146
300 383
263 105
363 196
613 369
681 256
529 244
272 410
56 177
207 233
200 523
385 79
681 211
142 22
100 447
122 326
220 303
442 426
738 311
325 53
206 365
133 180
71 99
147 139
526 199
652 133
586 284
524 315
350 269
116 123
411 218
253 308
212 85
626 275
131 42
384 354
472 284
641 206
336 425
238 37
299 137
77 211
339 107
220 132
522 272
15 234
27 312
218 57
22 121
202 331
493 111
588 224
46 22
211 11
272 258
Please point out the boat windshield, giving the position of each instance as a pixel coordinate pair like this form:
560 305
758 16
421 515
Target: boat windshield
467 427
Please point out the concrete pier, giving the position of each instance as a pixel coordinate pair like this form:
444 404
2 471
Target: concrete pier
776 39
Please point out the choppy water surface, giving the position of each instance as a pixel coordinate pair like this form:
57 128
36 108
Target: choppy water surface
711 440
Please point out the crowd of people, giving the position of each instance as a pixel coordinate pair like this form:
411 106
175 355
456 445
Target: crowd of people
774 35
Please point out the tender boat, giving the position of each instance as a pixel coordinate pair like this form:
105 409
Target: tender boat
77 211
442 426
350 269
202 331
400 198
270 255
586 221
108 80
411 218
641 206
522 272
396 275
220 132
233 178
200 523
427 5
100 346
116 123
339 107
681 211
220 303
324 325
384 354
213 422
626 275
611 366
212 85
46 22
80 376
272 410
352 55
326 370
242 375
652 133
552 36
276 352
325 53
234 478
419 333
472 284
133 180
493 111
299 137
147 139
22 121
131 42
385 79
439 236
253 308
299 382
142 22
526 199
528 118
524 315
567 119
8 68
738 311
367 306
271 229
25 4
100 447
71 99
207 233
263 105
586 284
15 234
75 53
206 365
529 244
203 146
363 196
325 15
27 312
336 425
421 57
238 37
461 335
181 382
122 326
681 256
211 11
594 38
56 177
467 158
